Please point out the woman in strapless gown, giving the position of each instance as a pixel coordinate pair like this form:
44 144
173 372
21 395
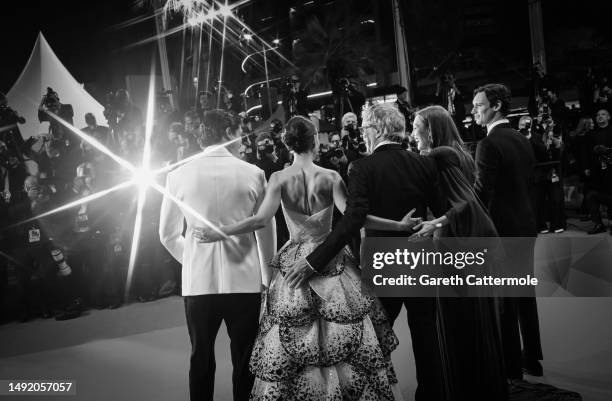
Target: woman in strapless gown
329 339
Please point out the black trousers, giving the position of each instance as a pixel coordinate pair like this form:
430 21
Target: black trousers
594 201
204 316
425 344
519 319
519 315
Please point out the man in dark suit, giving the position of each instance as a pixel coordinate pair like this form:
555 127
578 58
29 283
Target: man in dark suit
389 183
505 183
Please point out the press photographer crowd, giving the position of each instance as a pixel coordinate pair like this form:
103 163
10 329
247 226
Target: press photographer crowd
64 263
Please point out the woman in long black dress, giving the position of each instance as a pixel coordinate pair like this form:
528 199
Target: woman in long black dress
468 328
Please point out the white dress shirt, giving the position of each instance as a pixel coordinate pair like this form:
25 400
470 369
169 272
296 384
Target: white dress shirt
496 123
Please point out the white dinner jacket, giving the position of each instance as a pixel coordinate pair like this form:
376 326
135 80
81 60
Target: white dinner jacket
223 189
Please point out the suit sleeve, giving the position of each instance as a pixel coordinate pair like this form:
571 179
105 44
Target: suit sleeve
171 225
487 171
266 238
357 207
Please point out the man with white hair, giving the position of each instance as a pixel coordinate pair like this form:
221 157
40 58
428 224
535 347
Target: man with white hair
390 182
351 137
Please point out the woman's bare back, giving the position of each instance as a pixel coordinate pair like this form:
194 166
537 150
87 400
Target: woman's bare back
306 190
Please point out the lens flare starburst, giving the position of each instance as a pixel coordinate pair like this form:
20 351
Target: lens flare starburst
143 177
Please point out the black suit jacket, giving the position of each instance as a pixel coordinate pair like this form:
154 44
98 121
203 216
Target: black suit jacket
505 181
388 183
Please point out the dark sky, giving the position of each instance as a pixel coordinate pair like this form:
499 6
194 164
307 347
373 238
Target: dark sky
80 32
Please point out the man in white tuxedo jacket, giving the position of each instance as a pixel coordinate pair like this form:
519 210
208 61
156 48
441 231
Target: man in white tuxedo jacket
221 281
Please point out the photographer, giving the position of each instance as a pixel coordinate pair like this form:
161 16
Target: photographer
56 163
47 277
555 205
347 98
354 145
9 130
549 172
295 98
276 131
248 148
121 114
12 168
12 173
558 111
267 160
99 132
598 151
87 236
450 97
50 109
335 157
578 138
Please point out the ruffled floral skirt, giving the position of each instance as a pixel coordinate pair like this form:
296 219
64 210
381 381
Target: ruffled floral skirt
329 340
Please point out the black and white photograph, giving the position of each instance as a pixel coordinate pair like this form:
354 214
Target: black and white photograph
306 200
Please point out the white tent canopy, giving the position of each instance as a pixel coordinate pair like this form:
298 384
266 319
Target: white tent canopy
44 70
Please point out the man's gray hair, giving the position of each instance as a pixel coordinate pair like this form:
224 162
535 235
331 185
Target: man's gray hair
388 119
346 116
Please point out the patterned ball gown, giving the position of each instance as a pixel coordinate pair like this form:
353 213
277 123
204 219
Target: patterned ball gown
327 340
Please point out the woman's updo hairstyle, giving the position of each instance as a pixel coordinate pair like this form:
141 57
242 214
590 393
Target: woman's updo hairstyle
299 134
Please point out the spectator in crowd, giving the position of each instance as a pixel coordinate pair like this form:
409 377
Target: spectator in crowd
554 200
526 128
50 109
56 163
451 97
245 153
122 115
191 122
598 151
558 111
37 247
99 132
267 160
578 138
205 103
168 147
12 171
335 157
602 94
277 130
403 104
353 144
230 102
187 144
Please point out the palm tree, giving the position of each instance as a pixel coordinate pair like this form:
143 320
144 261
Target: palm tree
342 45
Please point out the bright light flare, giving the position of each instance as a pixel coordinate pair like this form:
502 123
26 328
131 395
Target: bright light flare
189 209
143 177
78 202
224 10
92 141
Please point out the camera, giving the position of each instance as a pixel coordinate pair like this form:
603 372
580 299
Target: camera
337 152
51 100
353 131
266 149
